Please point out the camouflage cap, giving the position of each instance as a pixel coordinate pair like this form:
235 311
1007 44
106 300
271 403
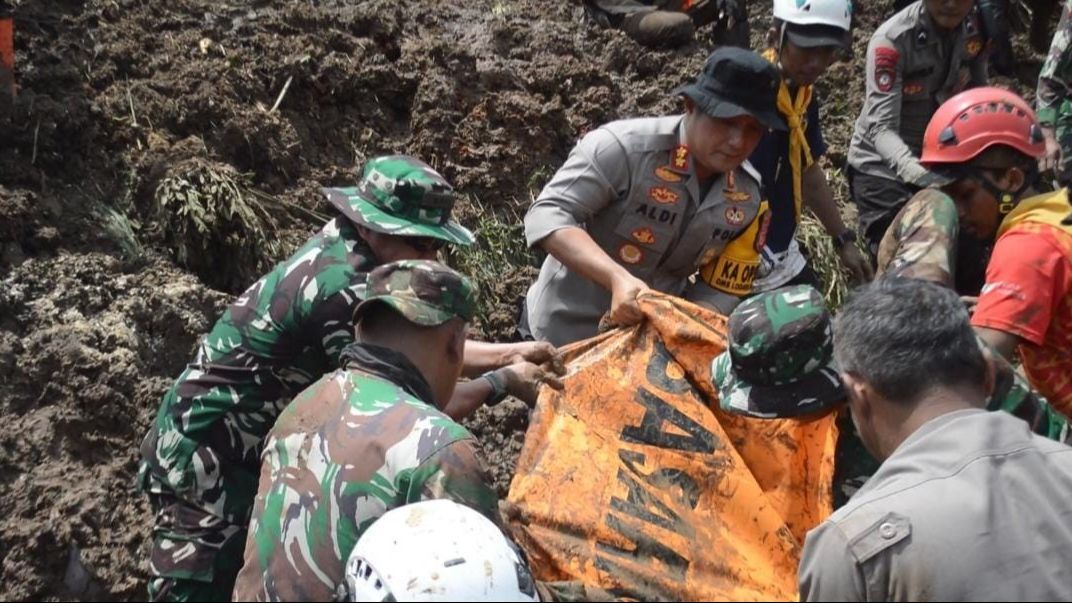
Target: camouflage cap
780 357
401 195
425 292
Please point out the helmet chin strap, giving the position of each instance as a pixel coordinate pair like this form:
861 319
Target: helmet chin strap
1007 201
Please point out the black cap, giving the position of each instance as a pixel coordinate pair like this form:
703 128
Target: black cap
737 82
816 35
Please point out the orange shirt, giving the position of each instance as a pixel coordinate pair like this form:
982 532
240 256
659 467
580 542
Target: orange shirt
1028 293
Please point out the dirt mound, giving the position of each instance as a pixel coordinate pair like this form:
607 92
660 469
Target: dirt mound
87 345
101 306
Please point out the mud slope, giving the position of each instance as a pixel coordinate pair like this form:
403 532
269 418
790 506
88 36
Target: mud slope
99 309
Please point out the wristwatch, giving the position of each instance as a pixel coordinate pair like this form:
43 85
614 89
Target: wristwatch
847 236
498 388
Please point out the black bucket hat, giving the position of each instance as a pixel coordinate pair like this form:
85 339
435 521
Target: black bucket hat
737 82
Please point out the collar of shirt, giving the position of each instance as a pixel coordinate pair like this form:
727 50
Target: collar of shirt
388 365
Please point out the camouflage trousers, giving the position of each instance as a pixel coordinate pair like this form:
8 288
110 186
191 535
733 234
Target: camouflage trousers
195 556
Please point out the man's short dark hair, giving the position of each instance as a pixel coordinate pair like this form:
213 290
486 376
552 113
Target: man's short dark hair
904 336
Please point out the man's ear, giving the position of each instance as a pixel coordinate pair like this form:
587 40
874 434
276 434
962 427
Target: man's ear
690 106
1012 180
860 396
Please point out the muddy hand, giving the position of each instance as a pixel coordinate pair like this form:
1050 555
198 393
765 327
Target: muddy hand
523 381
859 266
537 352
624 310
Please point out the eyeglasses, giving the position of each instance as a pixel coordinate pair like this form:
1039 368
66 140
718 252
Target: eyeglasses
425 244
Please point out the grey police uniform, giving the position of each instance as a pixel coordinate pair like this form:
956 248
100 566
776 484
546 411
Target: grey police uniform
971 507
910 73
631 186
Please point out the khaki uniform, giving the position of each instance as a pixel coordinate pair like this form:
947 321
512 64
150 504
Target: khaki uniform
971 507
911 71
630 184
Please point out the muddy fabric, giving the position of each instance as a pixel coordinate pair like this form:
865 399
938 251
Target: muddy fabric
634 481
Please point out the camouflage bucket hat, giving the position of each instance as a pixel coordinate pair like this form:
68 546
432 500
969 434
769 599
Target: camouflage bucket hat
425 292
780 358
401 195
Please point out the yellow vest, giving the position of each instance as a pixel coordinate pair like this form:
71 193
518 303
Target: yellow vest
734 270
1047 208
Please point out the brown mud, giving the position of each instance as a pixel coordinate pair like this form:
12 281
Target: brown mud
98 309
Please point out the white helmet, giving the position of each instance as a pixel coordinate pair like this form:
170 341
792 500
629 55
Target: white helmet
837 13
436 550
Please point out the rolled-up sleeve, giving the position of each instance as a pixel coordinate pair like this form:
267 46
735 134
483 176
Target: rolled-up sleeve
595 174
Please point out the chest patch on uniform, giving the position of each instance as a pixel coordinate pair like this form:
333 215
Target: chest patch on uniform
913 88
667 175
736 196
886 68
644 236
973 47
662 216
735 216
664 195
630 254
679 158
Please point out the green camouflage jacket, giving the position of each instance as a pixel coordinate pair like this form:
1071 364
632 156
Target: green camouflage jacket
356 444
283 333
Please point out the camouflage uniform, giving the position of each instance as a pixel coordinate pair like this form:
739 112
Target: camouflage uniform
1055 92
201 456
779 362
361 441
921 241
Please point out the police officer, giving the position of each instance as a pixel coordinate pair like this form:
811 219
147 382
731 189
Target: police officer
916 60
968 505
644 203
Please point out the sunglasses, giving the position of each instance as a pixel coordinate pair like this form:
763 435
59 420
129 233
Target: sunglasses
425 244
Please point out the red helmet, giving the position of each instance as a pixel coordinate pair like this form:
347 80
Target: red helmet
977 119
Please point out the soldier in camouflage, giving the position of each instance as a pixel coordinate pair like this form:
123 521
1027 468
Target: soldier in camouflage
779 362
370 437
921 241
201 456
778 359
1054 100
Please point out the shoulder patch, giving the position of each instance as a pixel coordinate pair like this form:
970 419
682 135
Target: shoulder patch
886 60
879 536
